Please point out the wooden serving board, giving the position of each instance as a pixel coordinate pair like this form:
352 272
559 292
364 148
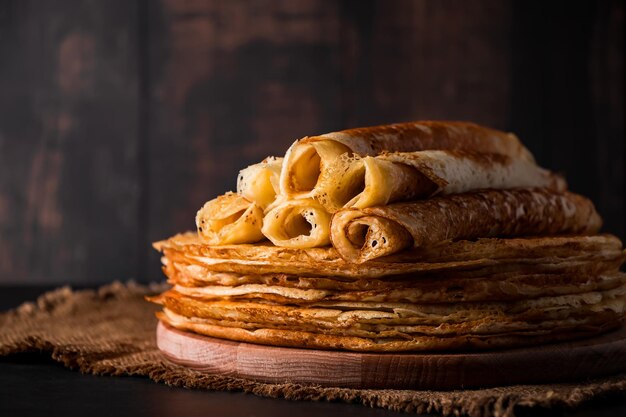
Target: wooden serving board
571 361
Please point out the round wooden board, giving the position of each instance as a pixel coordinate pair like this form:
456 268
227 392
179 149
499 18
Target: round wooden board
571 361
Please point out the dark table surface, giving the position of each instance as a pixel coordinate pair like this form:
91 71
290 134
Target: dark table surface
33 385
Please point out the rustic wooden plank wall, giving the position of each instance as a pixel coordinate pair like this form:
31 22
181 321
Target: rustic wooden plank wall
118 119
68 141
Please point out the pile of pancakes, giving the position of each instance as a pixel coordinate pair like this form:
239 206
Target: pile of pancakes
407 237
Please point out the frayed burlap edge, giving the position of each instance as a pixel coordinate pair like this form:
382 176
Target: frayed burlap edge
110 331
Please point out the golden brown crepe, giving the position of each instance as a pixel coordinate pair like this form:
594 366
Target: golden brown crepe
370 233
416 290
301 223
310 156
505 302
563 330
352 181
346 315
230 219
259 182
541 254
395 327
445 236
393 314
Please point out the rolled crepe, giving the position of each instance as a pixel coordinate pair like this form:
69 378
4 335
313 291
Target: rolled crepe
401 176
301 223
259 182
307 158
360 235
230 219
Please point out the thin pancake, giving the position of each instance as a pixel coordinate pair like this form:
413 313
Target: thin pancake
301 223
259 182
366 234
450 256
417 291
348 314
310 156
567 272
304 339
230 219
404 176
487 326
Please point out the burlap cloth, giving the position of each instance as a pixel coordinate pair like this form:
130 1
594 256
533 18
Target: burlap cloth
111 331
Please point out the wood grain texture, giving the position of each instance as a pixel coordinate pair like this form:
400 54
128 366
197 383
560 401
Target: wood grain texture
571 361
118 119
409 60
68 141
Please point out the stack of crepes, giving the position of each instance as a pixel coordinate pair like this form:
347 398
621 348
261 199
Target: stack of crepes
405 237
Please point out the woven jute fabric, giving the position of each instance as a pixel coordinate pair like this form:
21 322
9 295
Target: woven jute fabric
111 331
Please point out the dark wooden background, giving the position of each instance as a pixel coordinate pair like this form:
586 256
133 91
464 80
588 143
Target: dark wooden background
119 118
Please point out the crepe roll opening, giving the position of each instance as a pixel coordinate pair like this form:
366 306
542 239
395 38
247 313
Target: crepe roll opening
217 224
298 224
341 182
230 219
359 237
357 233
357 187
259 182
352 181
379 180
352 186
305 169
304 164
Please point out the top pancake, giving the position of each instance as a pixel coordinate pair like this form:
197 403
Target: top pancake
264 258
